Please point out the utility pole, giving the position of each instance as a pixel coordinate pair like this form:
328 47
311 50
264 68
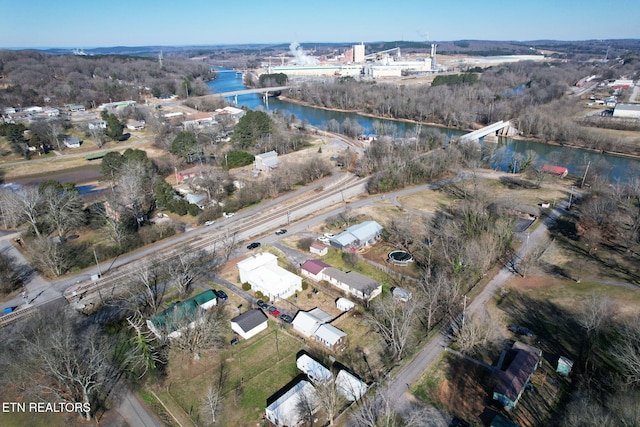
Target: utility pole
97 263
464 309
571 197
585 174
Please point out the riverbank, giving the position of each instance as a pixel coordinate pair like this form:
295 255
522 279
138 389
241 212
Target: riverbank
627 155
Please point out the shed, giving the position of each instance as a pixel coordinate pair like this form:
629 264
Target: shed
344 304
315 370
318 248
401 294
630 111
564 366
555 170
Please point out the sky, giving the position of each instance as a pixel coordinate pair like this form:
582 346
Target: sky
86 24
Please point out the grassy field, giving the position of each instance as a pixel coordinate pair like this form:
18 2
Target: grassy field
252 371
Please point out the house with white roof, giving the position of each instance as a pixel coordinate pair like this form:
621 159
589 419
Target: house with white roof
266 162
262 272
330 336
357 236
306 323
284 410
350 386
315 370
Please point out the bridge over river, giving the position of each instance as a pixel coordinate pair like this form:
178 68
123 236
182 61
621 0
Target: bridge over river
235 93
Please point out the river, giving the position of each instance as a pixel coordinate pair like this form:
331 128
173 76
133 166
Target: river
574 159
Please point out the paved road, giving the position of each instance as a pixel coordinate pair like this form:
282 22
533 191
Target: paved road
431 351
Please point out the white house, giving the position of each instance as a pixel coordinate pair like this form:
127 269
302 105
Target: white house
249 323
312 268
72 142
266 161
283 411
306 323
330 336
359 235
629 111
315 370
262 272
353 283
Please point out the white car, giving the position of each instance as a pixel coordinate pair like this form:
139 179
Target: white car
324 239
208 223
228 214
329 235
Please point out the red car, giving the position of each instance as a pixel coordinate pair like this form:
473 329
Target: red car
274 313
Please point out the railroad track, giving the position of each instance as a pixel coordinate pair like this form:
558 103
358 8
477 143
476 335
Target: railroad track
107 286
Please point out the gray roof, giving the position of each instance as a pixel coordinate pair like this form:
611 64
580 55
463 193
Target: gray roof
250 319
628 107
353 279
359 233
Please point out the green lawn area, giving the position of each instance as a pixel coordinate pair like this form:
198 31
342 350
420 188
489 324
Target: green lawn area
334 259
253 371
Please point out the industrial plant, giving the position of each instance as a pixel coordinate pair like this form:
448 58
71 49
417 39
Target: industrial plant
355 63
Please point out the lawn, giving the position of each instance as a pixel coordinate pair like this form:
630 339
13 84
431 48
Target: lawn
253 371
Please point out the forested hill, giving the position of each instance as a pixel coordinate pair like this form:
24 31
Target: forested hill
28 77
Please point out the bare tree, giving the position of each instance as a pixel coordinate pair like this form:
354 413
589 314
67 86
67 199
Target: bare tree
24 204
474 332
212 400
306 406
329 398
197 329
375 410
59 364
423 416
63 210
595 313
183 268
395 322
626 351
47 256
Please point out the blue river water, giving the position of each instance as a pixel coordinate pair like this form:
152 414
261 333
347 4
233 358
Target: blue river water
575 160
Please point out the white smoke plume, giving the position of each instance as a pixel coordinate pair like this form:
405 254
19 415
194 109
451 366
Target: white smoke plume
299 57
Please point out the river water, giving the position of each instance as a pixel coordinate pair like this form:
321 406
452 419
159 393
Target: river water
575 160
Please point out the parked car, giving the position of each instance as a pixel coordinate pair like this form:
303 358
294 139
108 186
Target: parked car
221 295
324 239
329 235
272 309
275 313
262 304
253 245
281 231
235 341
521 330
286 318
208 223
228 214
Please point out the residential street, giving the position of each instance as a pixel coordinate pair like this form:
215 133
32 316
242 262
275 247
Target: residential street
431 352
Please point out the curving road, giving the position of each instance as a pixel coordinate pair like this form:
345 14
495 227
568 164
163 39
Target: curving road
433 349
